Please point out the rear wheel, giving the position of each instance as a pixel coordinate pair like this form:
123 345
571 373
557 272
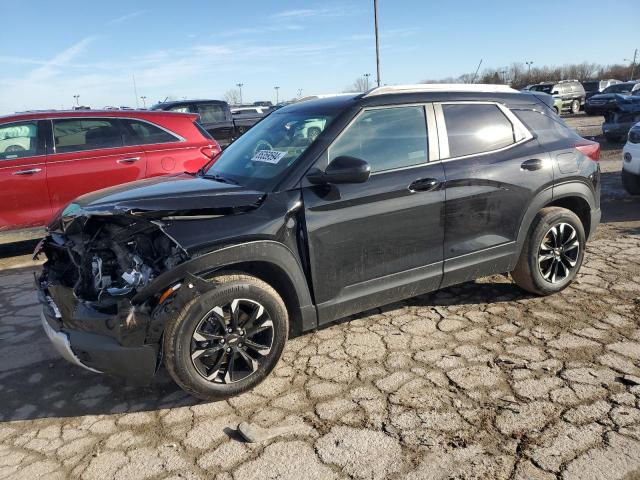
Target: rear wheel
227 340
575 107
631 183
552 253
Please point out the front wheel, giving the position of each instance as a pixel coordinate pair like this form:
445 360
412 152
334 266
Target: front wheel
631 183
553 252
575 107
227 340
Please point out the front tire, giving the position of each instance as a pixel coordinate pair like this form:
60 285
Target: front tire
552 253
227 340
575 107
631 183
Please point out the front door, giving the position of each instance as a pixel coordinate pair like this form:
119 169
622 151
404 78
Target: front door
24 199
89 155
379 241
494 168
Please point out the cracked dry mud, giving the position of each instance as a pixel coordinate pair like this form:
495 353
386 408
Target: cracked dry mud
476 381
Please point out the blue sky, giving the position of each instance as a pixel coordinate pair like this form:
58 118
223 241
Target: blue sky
53 50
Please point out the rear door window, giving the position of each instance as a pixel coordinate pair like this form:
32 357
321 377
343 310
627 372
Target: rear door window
144 133
476 128
211 113
386 138
78 134
18 140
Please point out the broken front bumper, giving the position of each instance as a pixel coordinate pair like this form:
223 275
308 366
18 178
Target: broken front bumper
92 351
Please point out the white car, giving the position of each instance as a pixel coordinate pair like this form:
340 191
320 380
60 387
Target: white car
631 161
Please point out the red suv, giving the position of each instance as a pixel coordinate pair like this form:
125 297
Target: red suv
49 158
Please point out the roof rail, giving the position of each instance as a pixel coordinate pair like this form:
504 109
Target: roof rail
440 87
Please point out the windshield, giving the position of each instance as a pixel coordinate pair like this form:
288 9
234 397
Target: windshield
618 88
542 88
259 158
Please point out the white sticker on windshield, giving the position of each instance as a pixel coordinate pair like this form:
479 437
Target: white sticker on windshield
268 156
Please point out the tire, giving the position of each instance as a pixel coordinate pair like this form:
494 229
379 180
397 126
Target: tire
588 112
190 356
575 107
631 183
611 138
529 273
557 110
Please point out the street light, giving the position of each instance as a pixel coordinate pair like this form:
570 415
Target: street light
529 65
277 98
240 85
375 20
77 97
633 63
366 79
144 101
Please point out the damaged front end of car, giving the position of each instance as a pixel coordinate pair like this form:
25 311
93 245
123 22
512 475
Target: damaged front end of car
96 263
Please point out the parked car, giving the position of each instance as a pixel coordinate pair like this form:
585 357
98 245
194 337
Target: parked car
570 91
407 189
594 87
607 101
246 117
631 161
49 158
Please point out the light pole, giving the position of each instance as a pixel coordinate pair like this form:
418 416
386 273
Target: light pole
77 97
144 101
277 98
366 79
375 20
529 65
240 85
633 63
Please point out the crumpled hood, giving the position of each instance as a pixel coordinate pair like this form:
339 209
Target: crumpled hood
172 195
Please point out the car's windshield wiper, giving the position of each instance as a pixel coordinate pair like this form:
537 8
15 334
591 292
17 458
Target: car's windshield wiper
220 178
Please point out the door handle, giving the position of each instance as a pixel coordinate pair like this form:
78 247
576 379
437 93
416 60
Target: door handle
31 171
532 164
128 161
424 185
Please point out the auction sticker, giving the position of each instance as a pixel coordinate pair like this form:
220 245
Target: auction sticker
268 156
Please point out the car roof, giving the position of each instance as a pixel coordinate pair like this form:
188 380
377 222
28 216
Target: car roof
46 114
187 102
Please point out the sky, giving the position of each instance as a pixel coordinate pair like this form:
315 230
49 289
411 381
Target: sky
55 50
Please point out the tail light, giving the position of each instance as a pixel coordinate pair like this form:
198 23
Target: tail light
211 151
590 149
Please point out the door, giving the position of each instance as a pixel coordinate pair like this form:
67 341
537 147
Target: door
89 154
379 241
217 121
24 200
493 167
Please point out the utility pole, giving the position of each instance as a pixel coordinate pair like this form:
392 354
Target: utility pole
240 85
77 97
135 89
633 63
473 80
529 65
375 19
277 97
366 79
144 101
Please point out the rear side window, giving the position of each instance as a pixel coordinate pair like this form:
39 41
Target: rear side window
180 109
18 140
201 129
211 113
386 138
547 128
144 133
77 134
476 128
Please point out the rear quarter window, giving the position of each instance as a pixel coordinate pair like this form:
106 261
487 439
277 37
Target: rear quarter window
144 133
548 128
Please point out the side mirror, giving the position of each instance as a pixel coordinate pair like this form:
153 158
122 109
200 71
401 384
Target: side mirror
342 170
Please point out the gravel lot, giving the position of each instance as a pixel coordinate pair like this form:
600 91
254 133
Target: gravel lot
476 381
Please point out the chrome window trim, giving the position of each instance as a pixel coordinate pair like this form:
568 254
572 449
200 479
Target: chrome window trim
179 138
521 133
427 112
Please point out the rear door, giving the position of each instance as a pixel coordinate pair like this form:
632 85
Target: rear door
379 241
89 154
493 167
24 199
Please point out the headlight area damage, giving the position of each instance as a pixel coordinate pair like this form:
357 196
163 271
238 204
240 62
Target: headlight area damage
95 266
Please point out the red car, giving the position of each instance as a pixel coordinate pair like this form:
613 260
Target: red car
49 158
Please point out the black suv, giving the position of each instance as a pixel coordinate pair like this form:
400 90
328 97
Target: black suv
571 92
406 190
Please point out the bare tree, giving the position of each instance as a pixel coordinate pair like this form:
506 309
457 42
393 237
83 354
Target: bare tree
360 85
232 96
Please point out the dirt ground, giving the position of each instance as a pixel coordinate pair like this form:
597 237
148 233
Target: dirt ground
479 380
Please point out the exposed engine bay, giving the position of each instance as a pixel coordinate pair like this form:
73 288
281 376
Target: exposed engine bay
109 256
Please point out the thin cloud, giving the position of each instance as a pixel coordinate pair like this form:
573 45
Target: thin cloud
303 13
51 67
128 16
